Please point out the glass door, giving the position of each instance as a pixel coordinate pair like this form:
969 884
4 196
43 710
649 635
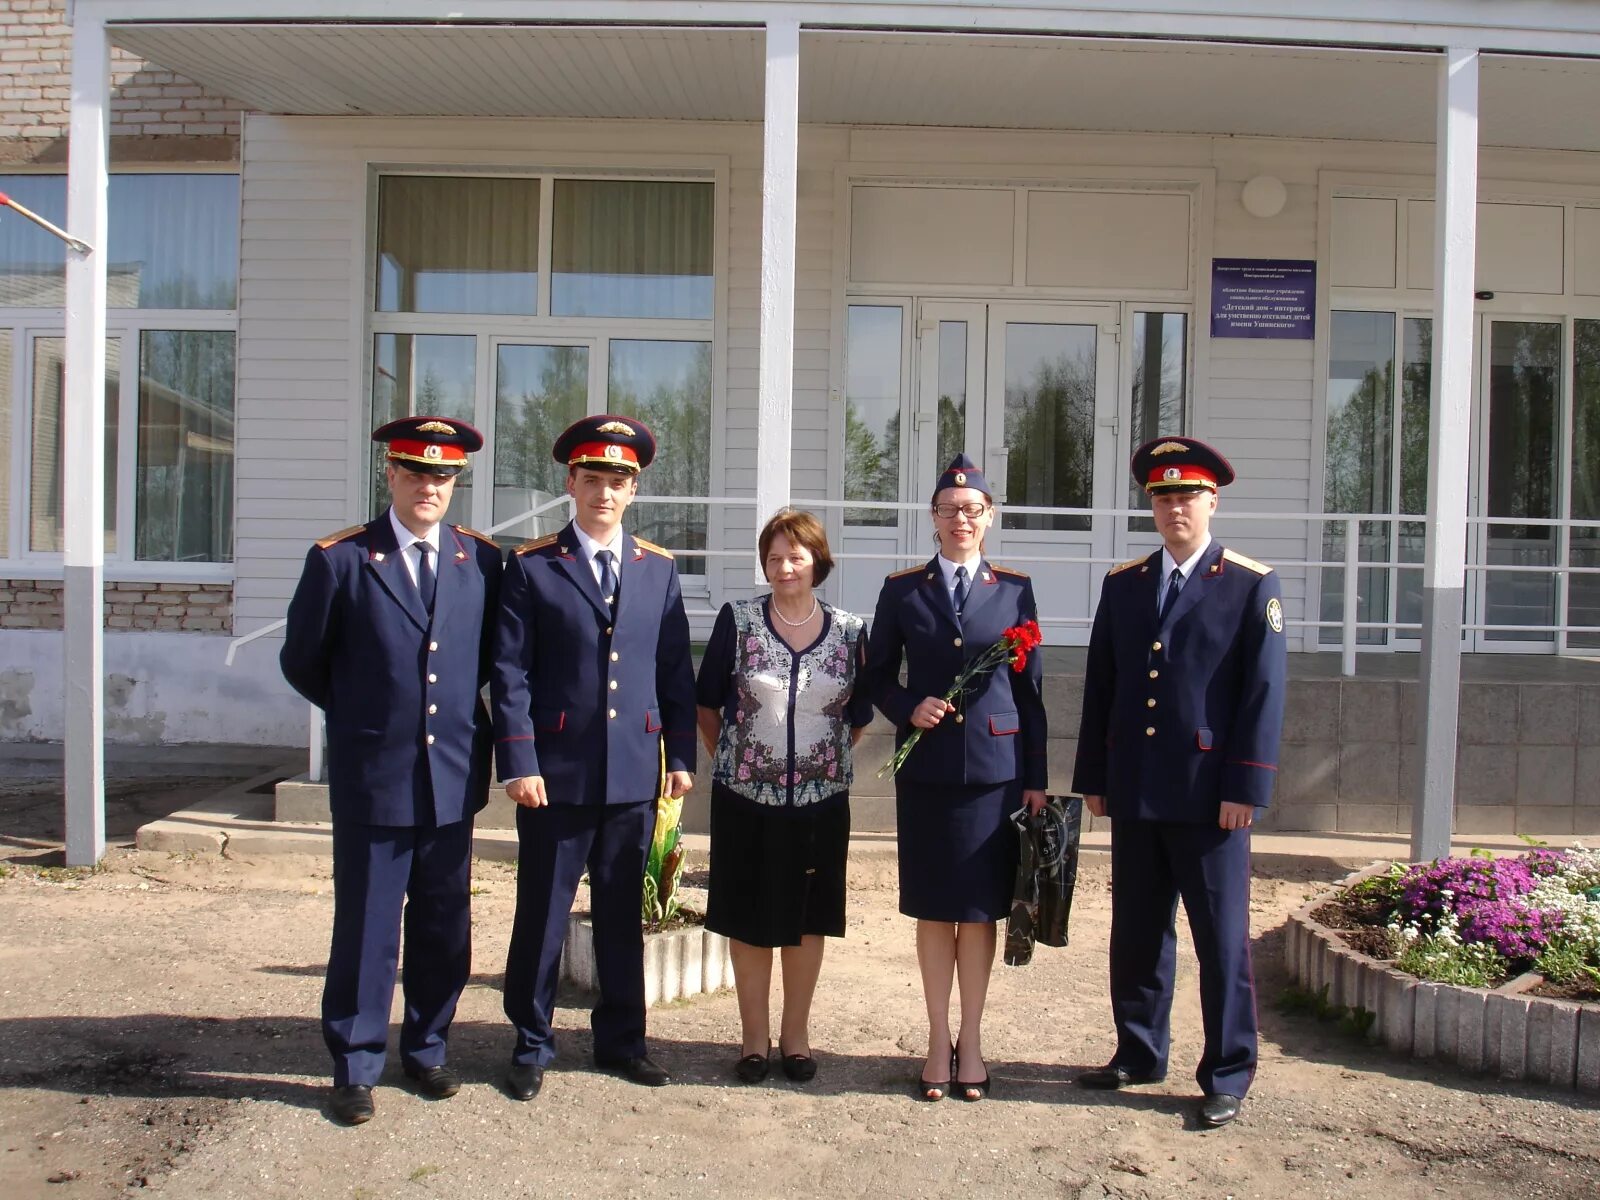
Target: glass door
1516 484
1051 442
952 343
539 389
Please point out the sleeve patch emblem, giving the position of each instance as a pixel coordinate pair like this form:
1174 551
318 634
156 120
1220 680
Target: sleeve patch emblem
1275 615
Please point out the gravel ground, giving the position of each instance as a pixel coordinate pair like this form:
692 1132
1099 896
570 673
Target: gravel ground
158 1030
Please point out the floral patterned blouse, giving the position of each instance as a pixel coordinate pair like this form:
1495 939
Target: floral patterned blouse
786 714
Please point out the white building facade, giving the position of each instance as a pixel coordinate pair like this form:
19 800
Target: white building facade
820 248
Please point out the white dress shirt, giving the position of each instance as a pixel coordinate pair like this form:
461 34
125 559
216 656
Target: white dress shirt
949 566
588 548
407 541
1185 569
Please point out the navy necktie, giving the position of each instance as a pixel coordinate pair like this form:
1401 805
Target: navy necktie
960 596
427 581
1174 586
608 577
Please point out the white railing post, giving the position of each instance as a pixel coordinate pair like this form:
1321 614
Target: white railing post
314 742
1352 594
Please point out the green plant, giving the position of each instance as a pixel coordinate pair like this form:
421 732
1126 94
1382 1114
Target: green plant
1443 958
424 1171
1569 960
1298 1001
664 867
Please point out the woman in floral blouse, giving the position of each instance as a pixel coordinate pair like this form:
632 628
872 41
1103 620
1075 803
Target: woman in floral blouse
780 709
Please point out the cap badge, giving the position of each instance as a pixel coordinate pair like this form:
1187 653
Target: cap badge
614 451
436 427
431 450
621 427
961 478
1172 473
1168 448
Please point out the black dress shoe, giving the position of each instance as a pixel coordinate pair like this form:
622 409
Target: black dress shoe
1217 1111
351 1104
437 1083
753 1068
801 1068
636 1069
1112 1076
524 1080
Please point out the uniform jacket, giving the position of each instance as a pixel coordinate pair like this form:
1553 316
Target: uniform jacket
1182 716
408 734
997 732
579 698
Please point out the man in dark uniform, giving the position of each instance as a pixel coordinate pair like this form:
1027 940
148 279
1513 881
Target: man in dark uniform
389 634
1182 712
592 678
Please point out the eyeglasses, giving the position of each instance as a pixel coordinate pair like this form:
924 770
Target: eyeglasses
972 511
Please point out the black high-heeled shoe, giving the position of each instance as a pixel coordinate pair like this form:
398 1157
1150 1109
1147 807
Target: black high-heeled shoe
753 1068
965 1088
931 1091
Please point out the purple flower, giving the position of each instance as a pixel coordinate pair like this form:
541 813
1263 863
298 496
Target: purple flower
1485 895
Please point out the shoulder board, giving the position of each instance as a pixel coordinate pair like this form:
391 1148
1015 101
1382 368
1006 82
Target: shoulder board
907 571
1249 564
333 539
653 548
473 533
537 544
1008 571
1132 562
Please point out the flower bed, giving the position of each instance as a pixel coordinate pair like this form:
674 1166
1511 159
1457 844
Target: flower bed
1482 922
1473 927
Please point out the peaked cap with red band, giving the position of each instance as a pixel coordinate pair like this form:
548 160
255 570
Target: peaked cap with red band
1179 464
606 442
431 445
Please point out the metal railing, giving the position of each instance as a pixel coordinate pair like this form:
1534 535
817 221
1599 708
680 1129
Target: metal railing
1351 564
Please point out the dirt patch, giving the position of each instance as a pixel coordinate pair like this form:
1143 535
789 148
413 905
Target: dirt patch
158 1029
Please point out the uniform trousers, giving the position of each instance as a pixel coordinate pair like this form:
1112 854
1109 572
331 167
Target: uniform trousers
379 873
555 844
1153 864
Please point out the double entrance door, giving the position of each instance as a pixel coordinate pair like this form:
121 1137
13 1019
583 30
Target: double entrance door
1030 392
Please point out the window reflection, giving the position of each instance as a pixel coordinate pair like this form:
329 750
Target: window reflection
173 242
952 392
667 385
1524 415
1583 594
457 245
872 411
183 482
5 443
46 480
538 392
631 248
423 373
1049 421
1160 390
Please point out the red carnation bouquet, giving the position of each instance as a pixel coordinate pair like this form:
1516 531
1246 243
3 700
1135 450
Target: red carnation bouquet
1014 646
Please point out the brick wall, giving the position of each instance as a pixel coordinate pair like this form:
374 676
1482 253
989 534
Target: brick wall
197 607
35 87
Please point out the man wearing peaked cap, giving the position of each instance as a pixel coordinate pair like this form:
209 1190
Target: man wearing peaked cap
593 690
1182 713
388 633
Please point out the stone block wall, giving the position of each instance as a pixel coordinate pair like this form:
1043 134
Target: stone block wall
35 89
170 605
1527 758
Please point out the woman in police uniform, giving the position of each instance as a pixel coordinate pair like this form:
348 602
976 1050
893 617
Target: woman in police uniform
980 758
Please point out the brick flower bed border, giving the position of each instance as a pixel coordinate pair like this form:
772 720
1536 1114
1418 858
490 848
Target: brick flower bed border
1492 1031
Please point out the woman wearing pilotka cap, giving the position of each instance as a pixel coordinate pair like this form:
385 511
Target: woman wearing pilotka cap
978 758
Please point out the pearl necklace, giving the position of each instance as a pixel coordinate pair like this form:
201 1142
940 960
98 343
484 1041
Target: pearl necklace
777 612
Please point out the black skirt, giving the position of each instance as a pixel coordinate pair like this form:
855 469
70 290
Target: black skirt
958 849
777 874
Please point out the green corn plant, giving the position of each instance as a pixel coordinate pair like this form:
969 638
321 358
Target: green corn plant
664 866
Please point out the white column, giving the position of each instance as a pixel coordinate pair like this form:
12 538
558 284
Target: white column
781 140
83 442
1444 570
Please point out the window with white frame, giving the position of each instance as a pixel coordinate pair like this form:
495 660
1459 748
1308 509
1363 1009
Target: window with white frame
520 304
172 280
